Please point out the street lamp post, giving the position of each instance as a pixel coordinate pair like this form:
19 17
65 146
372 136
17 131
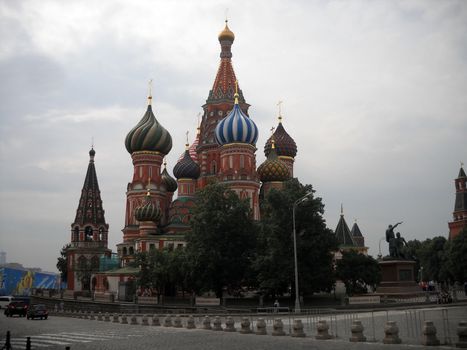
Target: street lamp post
297 295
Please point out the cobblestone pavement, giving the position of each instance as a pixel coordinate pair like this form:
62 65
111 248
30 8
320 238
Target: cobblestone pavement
59 332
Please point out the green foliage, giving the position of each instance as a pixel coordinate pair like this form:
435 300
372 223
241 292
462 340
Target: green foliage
222 240
431 255
62 262
456 257
358 271
154 270
274 263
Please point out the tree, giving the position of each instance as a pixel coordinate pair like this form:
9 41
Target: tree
315 242
62 262
222 239
154 270
456 257
431 255
358 271
410 251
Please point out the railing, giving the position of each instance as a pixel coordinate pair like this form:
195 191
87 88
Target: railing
94 244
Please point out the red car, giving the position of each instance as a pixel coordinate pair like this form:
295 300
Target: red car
16 308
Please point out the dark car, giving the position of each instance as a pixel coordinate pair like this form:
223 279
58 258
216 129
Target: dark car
16 308
37 311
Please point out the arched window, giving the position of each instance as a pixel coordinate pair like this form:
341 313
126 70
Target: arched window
76 234
88 233
213 167
242 161
101 233
131 250
95 262
82 262
124 251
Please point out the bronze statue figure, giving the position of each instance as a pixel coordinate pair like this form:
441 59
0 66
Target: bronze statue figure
391 239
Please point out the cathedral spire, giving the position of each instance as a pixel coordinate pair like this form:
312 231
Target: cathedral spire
90 209
223 88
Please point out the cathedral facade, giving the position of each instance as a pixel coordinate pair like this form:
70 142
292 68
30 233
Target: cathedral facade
158 206
224 150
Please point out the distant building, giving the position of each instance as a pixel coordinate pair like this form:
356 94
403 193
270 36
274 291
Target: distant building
2 258
460 206
349 239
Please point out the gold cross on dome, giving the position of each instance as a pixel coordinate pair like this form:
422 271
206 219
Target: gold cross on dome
462 164
279 105
272 130
187 132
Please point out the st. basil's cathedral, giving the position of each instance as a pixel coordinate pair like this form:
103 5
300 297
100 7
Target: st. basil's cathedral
223 151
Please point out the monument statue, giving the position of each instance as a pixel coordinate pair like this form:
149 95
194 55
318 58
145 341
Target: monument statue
391 239
400 243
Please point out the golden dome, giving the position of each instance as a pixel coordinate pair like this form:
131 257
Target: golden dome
226 34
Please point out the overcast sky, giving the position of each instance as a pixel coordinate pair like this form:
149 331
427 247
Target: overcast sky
375 95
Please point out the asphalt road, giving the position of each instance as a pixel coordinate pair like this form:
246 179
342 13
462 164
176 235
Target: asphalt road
59 332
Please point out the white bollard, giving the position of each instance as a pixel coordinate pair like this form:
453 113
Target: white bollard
391 333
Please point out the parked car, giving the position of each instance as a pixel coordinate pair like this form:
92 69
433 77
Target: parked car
37 311
16 308
5 300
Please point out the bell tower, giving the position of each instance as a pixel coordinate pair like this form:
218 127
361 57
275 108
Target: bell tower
89 233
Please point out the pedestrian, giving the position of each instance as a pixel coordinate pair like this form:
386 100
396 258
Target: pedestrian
276 306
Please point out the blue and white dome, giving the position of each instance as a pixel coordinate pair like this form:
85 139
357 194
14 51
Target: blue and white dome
236 127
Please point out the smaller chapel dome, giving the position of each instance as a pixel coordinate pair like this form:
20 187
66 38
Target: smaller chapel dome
285 145
273 169
186 168
169 182
147 211
148 135
226 33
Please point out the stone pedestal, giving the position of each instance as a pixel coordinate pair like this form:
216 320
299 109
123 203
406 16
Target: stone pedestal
391 333
322 328
429 334
297 329
278 327
260 327
245 326
462 334
357 332
397 277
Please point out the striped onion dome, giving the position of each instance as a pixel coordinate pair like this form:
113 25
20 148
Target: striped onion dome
169 182
236 127
285 145
273 169
186 168
147 211
148 135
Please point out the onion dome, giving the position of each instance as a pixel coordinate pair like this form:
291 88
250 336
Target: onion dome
285 145
236 127
226 34
167 180
273 169
148 135
92 153
186 168
147 211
